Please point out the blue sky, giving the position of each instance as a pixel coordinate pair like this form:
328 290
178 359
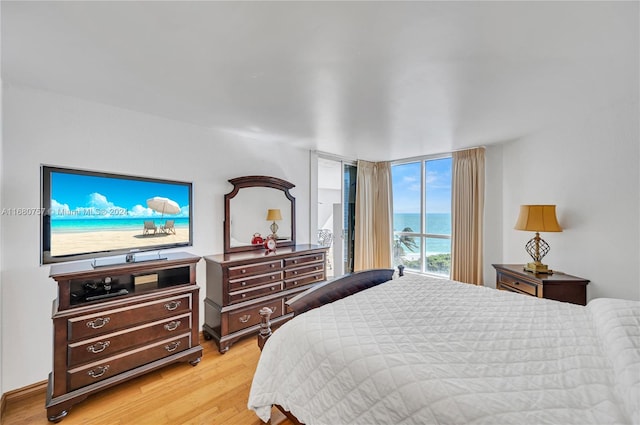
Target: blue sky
406 186
73 191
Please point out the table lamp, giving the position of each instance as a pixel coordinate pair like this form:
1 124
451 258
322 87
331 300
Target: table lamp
537 218
274 215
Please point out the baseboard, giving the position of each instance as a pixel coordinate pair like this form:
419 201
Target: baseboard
25 392
21 393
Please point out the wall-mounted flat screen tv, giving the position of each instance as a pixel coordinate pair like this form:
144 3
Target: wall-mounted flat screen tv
89 214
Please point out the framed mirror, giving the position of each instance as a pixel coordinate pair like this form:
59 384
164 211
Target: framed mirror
247 207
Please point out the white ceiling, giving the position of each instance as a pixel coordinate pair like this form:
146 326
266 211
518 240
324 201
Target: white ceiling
370 80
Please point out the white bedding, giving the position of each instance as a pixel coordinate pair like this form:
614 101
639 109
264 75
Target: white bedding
419 350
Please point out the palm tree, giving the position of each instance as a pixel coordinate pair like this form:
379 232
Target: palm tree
402 243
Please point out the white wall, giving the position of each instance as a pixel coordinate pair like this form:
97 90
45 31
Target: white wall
589 169
492 213
41 127
1 223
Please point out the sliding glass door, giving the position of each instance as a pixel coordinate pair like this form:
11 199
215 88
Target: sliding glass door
336 186
349 218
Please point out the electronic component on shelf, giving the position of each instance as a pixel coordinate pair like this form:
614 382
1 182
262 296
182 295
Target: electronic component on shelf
107 295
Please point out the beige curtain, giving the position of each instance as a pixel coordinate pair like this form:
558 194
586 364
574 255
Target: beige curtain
372 248
467 205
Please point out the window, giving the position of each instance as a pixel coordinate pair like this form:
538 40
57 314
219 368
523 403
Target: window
422 215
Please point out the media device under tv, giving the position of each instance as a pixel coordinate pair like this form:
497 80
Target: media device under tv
130 257
92 214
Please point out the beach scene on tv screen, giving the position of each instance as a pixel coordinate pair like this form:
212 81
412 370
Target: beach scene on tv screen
97 214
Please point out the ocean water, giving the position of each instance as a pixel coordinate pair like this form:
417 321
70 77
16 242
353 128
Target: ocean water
72 225
436 223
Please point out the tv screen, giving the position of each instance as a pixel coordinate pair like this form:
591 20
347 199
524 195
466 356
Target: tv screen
89 214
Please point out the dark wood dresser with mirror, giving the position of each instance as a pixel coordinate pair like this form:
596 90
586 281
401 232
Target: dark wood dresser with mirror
248 277
115 322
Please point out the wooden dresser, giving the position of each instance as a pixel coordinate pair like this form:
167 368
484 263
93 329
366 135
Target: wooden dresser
239 284
557 286
101 339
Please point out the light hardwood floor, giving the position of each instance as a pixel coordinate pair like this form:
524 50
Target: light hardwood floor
213 392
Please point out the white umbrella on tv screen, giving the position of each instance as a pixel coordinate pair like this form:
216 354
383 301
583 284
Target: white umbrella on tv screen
163 205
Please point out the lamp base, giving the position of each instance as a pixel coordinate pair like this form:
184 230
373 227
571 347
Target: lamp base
274 229
538 268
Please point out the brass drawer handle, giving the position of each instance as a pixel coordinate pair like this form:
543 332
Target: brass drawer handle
295 282
273 277
295 261
98 323
243 271
172 347
273 288
172 326
273 266
245 318
244 284
172 305
295 272
316 268
98 371
244 295
98 347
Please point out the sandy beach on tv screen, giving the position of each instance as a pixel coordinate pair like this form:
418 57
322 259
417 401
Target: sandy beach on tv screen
103 240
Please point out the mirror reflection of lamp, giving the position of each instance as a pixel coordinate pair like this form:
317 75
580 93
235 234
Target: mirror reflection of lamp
538 218
274 215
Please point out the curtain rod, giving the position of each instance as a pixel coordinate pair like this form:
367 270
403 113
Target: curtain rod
435 155
413 158
468 149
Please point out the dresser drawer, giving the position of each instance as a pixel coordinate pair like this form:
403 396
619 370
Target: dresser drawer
510 283
235 285
301 271
303 280
112 320
250 294
250 316
95 349
97 371
303 259
252 269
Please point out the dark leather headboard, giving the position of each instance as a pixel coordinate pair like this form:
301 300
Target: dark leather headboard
333 290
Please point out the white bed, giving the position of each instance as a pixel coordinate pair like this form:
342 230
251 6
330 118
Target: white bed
420 350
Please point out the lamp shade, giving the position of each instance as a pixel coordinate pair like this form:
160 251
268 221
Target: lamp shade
273 215
538 218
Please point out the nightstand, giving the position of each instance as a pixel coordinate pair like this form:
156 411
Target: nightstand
557 286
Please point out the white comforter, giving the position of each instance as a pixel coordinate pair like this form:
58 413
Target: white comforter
419 350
